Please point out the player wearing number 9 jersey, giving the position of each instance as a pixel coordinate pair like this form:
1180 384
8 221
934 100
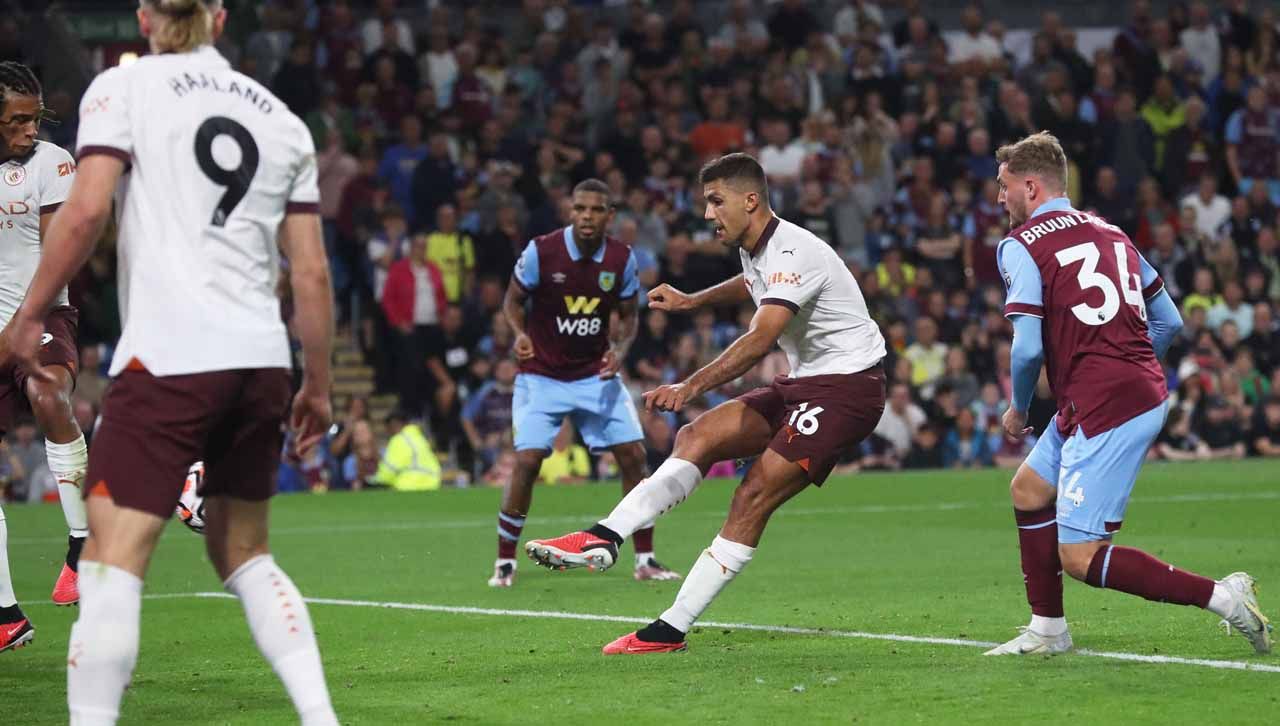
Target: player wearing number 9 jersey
1087 305
210 172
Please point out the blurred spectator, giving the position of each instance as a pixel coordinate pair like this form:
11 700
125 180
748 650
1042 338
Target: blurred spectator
965 447
901 419
568 462
409 463
1177 442
1266 428
453 253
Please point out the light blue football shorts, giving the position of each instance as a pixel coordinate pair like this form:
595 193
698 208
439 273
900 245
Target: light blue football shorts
601 410
1095 474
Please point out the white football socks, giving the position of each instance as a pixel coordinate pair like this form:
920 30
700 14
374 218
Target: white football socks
1220 602
1050 627
104 643
663 489
7 598
67 463
281 627
716 566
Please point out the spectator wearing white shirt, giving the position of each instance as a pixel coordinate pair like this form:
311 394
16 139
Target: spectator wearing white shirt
849 19
385 22
1232 307
1201 42
1212 209
973 46
783 156
901 420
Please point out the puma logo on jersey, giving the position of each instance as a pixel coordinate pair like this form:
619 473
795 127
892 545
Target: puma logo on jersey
581 305
46 339
788 252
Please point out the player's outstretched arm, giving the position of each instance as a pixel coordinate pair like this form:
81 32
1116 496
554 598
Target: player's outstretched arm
730 292
67 243
766 326
302 243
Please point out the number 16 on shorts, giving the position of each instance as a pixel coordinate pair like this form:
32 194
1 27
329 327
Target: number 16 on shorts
805 419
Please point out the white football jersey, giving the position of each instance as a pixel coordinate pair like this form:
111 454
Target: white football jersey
29 187
215 160
832 331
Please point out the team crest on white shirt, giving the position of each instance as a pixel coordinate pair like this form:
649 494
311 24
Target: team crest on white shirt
15 175
606 280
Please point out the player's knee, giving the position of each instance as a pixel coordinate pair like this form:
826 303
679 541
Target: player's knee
529 459
49 401
1029 492
631 458
751 500
690 442
1076 558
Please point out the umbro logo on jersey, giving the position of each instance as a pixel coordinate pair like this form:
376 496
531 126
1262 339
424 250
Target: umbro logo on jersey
558 277
14 176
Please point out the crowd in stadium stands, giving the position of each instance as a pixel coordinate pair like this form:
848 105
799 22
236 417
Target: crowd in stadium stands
446 145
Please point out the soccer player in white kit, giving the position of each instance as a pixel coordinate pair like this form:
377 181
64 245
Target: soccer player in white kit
35 177
809 304
208 170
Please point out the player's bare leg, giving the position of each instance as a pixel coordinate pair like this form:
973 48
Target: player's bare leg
68 458
236 540
1233 598
15 630
1035 512
632 467
770 483
731 430
103 646
517 496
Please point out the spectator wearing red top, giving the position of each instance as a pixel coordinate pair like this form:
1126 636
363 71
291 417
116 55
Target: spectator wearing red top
413 301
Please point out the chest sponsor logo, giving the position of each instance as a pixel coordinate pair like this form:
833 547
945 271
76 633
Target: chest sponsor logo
558 278
15 175
607 279
783 278
581 305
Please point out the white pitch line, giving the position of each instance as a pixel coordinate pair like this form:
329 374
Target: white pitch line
784 629
488 523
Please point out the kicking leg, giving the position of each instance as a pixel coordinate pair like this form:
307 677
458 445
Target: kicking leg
632 466
68 458
771 482
517 495
729 431
236 540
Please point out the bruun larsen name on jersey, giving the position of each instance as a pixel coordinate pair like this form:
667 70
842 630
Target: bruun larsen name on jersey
189 82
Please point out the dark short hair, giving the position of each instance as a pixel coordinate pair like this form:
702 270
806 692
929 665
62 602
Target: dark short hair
594 186
736 168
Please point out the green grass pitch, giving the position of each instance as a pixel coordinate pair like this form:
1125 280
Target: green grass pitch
922 554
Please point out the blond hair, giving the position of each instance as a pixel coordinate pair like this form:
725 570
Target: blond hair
182 25
1039 155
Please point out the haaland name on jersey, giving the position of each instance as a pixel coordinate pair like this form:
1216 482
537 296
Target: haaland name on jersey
189 82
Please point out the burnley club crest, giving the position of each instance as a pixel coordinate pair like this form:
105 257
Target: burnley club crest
606 280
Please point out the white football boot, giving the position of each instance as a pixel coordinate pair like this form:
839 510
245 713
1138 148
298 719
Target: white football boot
1245 616
1029 642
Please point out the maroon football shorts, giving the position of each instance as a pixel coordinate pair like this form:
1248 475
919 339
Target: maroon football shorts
57 348
154 427
817 419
